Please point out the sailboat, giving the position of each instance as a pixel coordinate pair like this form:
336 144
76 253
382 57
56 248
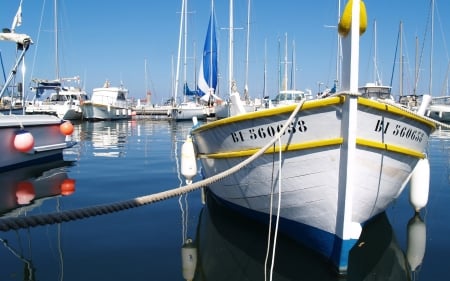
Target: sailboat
235 105
320 169
190 107
61 97
208 73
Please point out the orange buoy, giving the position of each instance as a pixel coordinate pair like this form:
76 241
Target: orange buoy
66 128
25 192
23 141
67 187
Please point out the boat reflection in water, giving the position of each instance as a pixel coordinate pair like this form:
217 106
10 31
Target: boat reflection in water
108 138
23 192
23 189
229 247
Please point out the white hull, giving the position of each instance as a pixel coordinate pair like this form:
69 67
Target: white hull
49 142
93 111
107 103
186 111
439 109
64 111
329 187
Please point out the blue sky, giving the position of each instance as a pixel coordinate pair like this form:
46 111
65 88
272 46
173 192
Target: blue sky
102 39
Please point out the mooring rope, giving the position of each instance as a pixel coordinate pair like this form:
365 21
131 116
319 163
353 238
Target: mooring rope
76 214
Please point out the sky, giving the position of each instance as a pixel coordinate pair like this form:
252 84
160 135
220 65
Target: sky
135 43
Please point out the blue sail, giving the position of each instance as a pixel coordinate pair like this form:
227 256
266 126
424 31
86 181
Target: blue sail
207 81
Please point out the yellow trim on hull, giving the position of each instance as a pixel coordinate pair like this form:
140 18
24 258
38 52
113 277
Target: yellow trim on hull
390 147
395 110
315 144
310 104
290 147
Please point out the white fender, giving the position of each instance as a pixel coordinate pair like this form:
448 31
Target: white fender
420 185
188 259
416 242
188 160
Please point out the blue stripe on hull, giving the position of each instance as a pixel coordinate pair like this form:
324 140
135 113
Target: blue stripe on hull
331 247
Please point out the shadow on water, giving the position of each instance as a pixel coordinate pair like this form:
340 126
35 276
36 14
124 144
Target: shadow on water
230 247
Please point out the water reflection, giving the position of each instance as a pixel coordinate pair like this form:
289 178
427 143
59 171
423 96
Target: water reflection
229 247
21 190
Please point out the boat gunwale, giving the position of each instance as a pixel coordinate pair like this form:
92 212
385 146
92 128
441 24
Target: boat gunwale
313 104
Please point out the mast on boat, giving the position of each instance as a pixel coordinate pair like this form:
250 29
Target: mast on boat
177 76
56 39
246 97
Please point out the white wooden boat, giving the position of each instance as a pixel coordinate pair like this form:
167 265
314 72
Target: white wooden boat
322 168
107 103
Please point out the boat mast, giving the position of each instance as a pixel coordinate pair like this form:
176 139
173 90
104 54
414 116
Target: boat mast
230 51
185 52
56 39
247 50
401 60
177 76
430 90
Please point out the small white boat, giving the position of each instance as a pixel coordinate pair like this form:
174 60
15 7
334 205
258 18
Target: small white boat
107 103
320 168
185 111
54 98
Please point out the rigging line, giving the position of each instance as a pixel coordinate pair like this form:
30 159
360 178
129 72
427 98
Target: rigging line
270 217
65 216
278 209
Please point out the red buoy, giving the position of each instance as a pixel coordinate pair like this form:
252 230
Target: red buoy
25 192
23 141
66 128
67 187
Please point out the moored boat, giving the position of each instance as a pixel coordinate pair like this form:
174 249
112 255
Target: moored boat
321 168
107 103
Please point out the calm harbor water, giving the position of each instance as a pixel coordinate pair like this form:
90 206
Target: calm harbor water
121 160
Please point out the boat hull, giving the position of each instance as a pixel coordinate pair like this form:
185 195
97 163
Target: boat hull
185 112
329 187
49 142
94 111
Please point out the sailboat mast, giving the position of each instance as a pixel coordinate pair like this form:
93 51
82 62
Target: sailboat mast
285 79
430 90
247 50
230 50
185 51
293 85
177 78
401 60
56 38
